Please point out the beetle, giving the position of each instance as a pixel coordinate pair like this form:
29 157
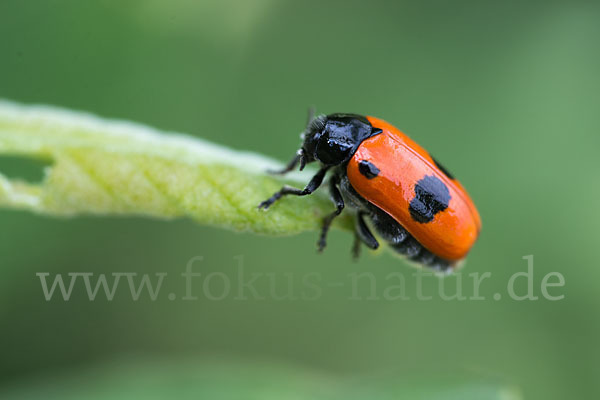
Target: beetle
412 202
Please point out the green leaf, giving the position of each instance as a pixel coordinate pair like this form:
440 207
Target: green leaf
181 379
114 167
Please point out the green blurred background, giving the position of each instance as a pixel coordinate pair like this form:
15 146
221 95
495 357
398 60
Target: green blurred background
506 94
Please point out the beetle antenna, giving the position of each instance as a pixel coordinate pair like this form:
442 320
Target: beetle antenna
298 158
311 114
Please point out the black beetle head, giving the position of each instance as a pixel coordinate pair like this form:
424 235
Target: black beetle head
333 139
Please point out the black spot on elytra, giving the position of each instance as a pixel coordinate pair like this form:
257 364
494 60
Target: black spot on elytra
431 197
368 169
442 168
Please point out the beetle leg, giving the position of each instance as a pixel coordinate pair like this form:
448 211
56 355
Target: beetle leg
313 185
363 233
356 247
338 200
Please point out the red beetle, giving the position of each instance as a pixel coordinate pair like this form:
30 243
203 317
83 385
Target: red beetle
413 202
